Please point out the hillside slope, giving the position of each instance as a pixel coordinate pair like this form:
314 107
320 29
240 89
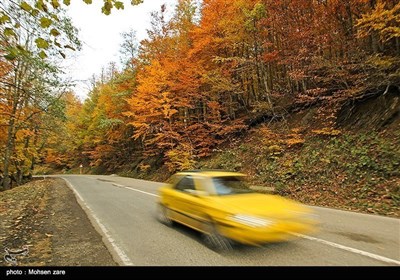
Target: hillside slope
353 164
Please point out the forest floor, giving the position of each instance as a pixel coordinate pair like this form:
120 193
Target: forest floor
43 219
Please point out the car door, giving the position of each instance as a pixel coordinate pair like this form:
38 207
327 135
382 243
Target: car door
187 206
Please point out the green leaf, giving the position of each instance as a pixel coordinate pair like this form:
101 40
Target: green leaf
88 1
67 2
41 43
136 2
35 12
40 5
9 32
25 6
17 25
42 55
55 4
4 19
54 32
119 5
106 9
45 22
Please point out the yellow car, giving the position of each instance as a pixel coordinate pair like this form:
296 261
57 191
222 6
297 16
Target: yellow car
224 209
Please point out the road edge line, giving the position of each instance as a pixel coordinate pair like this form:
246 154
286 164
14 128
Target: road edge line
117 253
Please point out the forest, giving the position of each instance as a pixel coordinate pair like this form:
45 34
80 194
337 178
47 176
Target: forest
208 76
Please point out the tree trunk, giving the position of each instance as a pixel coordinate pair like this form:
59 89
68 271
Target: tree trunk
8 151
11 132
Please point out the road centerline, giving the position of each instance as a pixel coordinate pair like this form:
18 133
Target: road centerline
136 190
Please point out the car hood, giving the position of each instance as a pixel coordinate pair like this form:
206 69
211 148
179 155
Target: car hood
261 205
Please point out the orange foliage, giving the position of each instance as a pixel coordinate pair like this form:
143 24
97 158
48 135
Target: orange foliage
196 83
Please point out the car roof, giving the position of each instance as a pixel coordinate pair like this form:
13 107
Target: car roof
211 173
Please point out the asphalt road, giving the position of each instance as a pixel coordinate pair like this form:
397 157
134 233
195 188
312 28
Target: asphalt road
123 210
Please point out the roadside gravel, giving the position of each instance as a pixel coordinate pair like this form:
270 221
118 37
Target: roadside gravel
44 217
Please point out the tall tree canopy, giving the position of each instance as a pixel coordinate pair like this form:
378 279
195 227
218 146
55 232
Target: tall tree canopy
210 69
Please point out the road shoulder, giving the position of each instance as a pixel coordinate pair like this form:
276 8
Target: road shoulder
45 217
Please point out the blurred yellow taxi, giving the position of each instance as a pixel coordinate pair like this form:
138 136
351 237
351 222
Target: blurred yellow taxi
225 210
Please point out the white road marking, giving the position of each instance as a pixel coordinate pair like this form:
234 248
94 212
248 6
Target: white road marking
353 250
329 243
121 254
136 190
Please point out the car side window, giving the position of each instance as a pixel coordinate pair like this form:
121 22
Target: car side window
185 184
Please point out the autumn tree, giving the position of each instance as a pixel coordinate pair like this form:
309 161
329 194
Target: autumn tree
170 111
379 30
30 87
208 72
58 142
159 107
95 132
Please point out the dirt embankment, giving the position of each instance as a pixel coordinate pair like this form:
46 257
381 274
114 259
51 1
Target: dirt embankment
43 220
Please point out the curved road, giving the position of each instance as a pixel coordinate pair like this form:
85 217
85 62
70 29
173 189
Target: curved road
123 211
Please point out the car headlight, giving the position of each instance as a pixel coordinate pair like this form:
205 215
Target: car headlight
252 221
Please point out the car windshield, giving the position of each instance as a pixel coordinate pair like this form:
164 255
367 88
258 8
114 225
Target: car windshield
229 185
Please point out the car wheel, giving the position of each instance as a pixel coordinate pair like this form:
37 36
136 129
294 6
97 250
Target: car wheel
162 215
216 241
